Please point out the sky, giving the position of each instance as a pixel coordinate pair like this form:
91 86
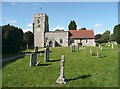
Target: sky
97 16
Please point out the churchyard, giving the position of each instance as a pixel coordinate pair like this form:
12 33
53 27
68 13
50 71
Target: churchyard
84 67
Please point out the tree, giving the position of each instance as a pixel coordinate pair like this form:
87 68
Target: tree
97 37
105 37
28 38
12 38
83 28
72 25
116 33
112 37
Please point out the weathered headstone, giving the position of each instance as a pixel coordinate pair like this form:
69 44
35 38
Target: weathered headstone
108 43
97 53
33 58
27 46
36 49
112 46
46 55
74 48
71 48
91 52
101 48
61 78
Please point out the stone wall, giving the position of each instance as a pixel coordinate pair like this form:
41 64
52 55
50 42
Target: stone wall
90 42
57 36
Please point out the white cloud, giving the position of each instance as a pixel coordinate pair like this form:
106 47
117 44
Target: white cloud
58 27
98 25
30 25
11 21
28 29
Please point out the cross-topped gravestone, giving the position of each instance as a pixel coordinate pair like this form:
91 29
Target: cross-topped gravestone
46 55
61 78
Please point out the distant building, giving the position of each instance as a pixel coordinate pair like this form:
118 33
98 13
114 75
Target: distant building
43 37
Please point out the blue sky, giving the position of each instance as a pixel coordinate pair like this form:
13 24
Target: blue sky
99 16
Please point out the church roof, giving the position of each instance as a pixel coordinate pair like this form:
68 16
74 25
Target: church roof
81 34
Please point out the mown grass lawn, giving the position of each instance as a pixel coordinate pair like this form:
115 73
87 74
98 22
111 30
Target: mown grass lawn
81 69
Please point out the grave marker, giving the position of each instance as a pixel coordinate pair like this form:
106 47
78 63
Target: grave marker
46 55
112 46
33 58
61 78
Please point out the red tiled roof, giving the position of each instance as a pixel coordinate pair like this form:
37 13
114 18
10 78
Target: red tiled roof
81 34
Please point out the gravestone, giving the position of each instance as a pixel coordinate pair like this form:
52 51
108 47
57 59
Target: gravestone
33 58
101 48
91 52
112 46
97 53
108 43
27 46
46 55
61 78
36 49
74 48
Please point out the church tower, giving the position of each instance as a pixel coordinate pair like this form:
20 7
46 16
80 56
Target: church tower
40 26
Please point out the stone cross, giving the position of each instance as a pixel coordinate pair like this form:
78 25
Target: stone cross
61 78
46 55
112 46
33 58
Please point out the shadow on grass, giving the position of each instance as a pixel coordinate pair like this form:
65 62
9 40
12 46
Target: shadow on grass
54 60
43 64
80 77
8 61
102 56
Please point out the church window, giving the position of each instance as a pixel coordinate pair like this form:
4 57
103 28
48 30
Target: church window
38 21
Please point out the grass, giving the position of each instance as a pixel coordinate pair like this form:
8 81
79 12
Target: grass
81 69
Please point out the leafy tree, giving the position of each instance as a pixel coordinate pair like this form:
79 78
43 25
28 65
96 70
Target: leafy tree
83 28
116 33
105 37
12 38
72 25
112 37
28 38
98 36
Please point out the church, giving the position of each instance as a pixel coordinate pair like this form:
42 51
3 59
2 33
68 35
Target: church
43 37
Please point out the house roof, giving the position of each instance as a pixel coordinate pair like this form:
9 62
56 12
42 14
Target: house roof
81 34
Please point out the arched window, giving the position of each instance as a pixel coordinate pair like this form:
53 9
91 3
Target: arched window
61 41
